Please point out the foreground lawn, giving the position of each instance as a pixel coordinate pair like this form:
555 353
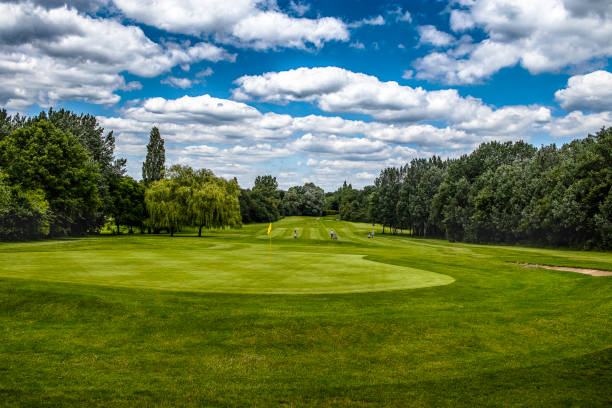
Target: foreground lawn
232 320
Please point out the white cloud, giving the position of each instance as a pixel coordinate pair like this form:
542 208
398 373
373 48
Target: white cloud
272 29
245 23
372 21
432 36
541 36
176 82
338 145
366 176
358 45
591 92
399 15
205 73
335 89
577 124
48 55
299 8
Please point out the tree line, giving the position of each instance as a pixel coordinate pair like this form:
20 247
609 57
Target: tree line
505 193
59 176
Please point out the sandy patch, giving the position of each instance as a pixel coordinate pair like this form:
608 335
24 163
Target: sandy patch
592 272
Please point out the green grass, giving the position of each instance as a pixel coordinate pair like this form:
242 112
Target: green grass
227 320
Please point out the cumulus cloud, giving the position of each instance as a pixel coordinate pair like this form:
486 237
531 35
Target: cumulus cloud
590 92
338 145
335 89
430 35
246 23
47 55
542 36
577 124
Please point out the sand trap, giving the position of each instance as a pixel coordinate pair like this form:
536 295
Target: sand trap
592 272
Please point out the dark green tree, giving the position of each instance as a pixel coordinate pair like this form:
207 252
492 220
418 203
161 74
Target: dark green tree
42 157
154 164
23 214
128 206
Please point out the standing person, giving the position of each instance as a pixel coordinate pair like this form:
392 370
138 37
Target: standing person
331 234
294 234
369 235
372 234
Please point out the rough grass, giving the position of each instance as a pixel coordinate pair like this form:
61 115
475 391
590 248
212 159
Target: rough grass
83 322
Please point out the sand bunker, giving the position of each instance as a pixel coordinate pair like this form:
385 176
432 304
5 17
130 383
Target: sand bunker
592 272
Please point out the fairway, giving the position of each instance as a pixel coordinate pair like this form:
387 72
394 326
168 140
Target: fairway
236 319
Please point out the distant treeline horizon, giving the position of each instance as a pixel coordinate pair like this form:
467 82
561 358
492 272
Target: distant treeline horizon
59 177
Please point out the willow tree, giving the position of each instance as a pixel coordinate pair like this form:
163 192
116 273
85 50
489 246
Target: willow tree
193 197
165 201
214 205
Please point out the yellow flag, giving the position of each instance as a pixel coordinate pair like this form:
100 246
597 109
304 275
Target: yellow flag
269 228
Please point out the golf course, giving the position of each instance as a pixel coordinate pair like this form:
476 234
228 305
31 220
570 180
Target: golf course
240 317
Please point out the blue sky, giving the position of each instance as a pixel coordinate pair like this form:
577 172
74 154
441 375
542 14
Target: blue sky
321 91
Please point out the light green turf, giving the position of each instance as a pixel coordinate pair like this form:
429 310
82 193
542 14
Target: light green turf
189 263
196 266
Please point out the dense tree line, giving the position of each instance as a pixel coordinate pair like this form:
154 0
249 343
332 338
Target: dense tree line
304 200
262 202
505 193
350 204
265 202
59 176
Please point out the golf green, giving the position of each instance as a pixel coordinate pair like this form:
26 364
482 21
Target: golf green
196 266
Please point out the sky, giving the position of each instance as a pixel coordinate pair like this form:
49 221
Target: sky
312 91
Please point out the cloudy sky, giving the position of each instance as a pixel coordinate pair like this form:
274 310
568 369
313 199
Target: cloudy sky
320 91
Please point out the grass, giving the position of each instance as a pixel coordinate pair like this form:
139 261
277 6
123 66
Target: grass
227 320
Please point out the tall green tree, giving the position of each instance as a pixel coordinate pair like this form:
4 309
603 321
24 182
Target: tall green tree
128 206
154 164
99 145
23 214
263 202
42 157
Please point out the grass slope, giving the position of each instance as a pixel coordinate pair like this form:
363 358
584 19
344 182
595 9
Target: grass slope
82 322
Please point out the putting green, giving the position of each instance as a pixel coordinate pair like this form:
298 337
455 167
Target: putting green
193 265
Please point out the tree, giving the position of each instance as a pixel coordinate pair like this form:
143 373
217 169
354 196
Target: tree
388 186
99 145
263 202
42 157
166 205
304 200
154 164
214 204
267 185
128 207
23 214
193 197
